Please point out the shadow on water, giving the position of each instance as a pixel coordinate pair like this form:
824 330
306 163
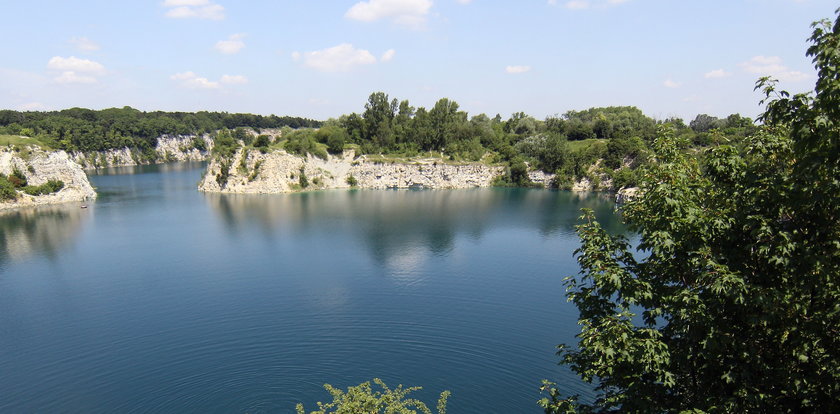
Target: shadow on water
39 231
390 222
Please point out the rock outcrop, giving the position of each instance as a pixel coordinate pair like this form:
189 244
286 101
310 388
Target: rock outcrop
39 166
280 172
169 148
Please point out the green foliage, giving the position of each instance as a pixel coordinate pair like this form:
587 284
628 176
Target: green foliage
302 180
224 173
262 142
51 186
256 173
226 145
733 304
7 189
302 142
199 144
363 399
79 129
17 178
352 181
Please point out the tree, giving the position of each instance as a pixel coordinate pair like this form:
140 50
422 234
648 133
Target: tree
362 399
733 304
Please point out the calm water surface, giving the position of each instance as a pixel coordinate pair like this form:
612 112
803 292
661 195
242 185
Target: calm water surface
158 298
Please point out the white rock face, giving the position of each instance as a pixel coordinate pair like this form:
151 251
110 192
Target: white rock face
169 148
279 172
56 165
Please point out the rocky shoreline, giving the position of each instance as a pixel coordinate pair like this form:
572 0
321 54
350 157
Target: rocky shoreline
252 172
169 148
39 167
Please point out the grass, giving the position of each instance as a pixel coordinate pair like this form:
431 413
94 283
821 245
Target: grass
6 140
583 144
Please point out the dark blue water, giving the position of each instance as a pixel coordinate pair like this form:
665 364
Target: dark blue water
158 298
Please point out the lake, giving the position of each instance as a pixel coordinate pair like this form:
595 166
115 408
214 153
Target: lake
159 298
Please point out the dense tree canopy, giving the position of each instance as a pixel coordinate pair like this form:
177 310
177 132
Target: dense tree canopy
88 130
733 304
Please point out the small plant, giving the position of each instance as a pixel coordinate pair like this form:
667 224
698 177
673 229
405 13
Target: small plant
302 180
351 181
256 172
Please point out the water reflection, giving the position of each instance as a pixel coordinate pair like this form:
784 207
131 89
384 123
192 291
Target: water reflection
393 223
43 230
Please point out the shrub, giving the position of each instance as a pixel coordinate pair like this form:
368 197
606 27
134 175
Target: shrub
7 190
352 181
17 178
51 186
302 180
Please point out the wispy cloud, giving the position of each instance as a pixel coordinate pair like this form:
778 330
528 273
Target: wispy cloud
84 44
717 73
388 55
233 79
232 45
772 66
516 69
669 83
194 9
408 13
587 4
191 80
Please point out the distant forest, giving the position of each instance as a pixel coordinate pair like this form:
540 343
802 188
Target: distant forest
80 129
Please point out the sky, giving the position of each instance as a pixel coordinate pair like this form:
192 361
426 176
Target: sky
322 58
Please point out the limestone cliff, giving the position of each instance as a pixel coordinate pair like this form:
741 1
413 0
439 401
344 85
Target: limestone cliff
280 172
169 148
39 166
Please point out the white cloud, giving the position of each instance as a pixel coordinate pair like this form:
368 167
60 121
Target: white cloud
176 3
84 44
772 66
75 70
577 4
671 84
517 69
587 4
717 73
465 1
73 77
232 45
75 64
388 55
193 81
233 79
409 13
194 9
339 58
295 56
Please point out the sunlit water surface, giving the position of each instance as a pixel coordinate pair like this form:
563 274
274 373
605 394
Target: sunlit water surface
158 298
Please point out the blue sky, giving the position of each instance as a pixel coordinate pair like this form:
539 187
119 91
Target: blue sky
322 58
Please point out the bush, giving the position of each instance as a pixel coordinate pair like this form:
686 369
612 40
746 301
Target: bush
51 186
17 178
352 181
199 144
302 180
7 190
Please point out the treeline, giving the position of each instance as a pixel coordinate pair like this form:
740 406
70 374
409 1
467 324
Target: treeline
569 145
81 129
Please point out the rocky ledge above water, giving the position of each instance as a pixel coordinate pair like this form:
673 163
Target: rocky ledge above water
281 172
39 167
